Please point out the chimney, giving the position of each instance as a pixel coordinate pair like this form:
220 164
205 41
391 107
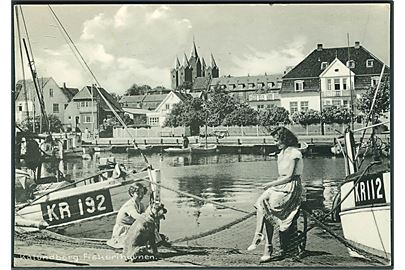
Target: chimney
319 48
357 44
64 85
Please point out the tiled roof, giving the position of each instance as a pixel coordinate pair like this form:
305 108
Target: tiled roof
154 98
182 96
311 65
29 84
246 79
85 94
201 83
69 92
132 99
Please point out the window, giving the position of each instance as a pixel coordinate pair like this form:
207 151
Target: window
329 81
20 107
350 64
326 102
293 107
51 92
260 85
299 86
370 63
154 121
304 106
262 97
324 65
251 85
87 119
260 107
346 104
69 117
241 86
167 106
55 108
336 102
344 83
270 84
374 81
231 86
336 83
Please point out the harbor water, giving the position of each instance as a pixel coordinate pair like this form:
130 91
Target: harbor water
229 179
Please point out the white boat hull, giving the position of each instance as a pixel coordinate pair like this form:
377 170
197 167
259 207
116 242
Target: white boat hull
366 214
79 204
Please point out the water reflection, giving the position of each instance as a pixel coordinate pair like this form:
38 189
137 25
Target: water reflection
234 180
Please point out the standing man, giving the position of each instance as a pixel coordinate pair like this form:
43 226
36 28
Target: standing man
185 141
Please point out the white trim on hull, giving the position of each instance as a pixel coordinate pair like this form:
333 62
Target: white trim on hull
366 214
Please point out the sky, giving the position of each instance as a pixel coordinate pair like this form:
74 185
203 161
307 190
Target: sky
127 44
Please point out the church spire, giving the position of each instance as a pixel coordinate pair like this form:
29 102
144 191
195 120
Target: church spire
213 64
185 61
176 64
194 52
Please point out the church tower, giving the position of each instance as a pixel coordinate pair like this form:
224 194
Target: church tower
174 72
192 68
212 70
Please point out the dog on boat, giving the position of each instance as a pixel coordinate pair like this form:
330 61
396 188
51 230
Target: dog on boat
143 233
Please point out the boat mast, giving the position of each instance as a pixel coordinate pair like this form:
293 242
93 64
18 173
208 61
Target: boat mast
39 93
22 66
350 83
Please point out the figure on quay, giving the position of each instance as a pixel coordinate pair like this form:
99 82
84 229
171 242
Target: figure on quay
279 204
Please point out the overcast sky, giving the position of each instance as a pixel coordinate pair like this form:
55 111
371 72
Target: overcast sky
126 44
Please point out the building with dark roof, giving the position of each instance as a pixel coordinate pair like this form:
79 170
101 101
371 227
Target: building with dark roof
55 98
260 91
90 107
330 76
192 68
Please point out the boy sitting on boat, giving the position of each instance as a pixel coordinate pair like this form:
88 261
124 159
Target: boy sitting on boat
127 215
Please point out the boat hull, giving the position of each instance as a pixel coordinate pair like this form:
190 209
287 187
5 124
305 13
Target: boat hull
72 206
177 150
366 214
201 149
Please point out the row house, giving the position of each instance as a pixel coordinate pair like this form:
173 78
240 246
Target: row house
158 116
154 107
330 77
259 91
88 109
55 98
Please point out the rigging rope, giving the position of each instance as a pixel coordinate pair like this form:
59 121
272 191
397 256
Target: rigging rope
22 63
98 90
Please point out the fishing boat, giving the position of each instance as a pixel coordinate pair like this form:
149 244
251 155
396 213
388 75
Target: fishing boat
174 150
81 201
365 210
203 148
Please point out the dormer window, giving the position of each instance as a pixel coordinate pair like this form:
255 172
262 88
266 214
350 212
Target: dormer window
299 86
370 63
324 65
350 64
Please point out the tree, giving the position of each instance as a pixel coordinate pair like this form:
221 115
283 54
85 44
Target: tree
336 115
382 101
115 96
190 113
186 85
54 123
135 90
306 118
219 105
274 116
243 115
